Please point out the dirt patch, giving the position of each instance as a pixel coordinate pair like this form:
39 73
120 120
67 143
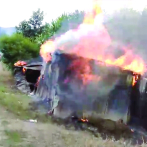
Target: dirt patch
16 132
5 76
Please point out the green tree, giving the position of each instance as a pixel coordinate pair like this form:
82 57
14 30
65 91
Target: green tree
17 47
59 26
33 27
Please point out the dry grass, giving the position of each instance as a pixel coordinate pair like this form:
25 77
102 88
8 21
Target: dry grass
3 70
13 100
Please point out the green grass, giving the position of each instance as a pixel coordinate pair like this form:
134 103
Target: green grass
16 102
15 136
5 123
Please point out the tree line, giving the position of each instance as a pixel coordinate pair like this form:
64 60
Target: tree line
126 26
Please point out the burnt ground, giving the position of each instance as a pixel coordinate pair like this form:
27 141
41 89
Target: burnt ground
16 131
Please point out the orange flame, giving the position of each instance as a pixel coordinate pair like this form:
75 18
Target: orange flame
83 71
128 61
94 44
20 63
38 80
90 17
84 120
46 49
24 70
135 78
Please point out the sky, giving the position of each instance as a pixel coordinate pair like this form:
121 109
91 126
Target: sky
12 12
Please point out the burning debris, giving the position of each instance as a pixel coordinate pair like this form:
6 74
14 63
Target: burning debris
96 124
26 74
20 63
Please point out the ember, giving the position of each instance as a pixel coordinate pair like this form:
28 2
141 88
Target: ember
84 120
117 128
24 70
40 77
135 79
20 63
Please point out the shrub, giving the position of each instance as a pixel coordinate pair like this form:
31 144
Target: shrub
17 47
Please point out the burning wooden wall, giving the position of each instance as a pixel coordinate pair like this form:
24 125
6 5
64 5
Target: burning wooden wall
73 83
82 84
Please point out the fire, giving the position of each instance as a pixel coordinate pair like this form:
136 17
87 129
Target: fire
135 78
128 61
81 68
93 41
24 70
38 80
46 49
20 63
84 120
90 17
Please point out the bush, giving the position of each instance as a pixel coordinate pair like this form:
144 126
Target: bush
17 47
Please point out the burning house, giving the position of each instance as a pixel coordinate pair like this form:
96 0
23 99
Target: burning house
82 72
73 84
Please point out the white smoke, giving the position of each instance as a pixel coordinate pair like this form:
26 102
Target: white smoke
72 37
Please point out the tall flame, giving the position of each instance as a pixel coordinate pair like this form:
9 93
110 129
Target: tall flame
92 40
46 49
90 17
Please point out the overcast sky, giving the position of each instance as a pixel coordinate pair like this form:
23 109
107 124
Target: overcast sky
14 11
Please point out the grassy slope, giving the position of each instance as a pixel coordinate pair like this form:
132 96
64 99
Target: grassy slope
13 100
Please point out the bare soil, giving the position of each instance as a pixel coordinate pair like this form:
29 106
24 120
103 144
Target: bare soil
45 134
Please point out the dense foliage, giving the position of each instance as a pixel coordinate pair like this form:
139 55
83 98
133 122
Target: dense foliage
33 27
32 33
17 47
